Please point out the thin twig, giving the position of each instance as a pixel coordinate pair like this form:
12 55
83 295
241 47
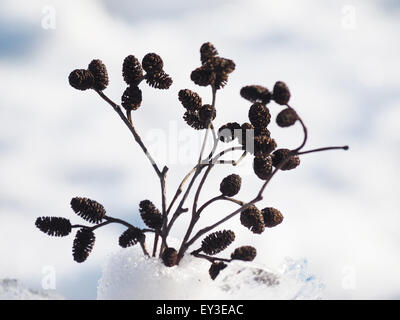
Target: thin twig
180 188
214 95
132 129
323 149
304 131
220 197
209 258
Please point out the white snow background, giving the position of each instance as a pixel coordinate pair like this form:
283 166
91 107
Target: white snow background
341 208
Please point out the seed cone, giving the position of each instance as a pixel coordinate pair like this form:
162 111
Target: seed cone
207 113
152 63
99 71
230 185
228 132
286 118
255 93
88 209
131 98
203 76
83 244
132 70
272 217
199 119
81 79
131 236
207 51
193 120
262 167
259 115
217 241
190 99
222 68
150 214
214 71
54 226
169 257
281 93
216 268
245 253
280 155
252 219
263 146
262 132
158 80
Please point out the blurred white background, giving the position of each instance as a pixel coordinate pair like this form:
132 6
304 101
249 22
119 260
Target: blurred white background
340 60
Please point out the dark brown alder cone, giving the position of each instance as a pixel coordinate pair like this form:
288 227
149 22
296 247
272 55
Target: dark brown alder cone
152 63
207 51
207 113
83 244
228 132
281 93
216 268
255 93
222 67
131 236
214 71
169 257
150 214
281 154
272 217
245 253
193 120
252 219
286 118
132 70
81 79
230 185
263 146
131 98
54 226
259 115
203 76
99 71
159 80
190 99
88 209
217 241
262 132
262 167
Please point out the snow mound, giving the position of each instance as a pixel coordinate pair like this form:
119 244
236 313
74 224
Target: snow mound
12 289
129 275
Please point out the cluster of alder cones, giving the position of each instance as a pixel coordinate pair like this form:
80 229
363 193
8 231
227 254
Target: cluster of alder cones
253 138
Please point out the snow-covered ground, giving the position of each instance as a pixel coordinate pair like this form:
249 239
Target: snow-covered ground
129 275
12 289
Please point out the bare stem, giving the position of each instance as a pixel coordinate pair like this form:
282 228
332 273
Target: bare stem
194 212
161 174
214 95
304 131
209 258
180 188
132 129
323 149
220 197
